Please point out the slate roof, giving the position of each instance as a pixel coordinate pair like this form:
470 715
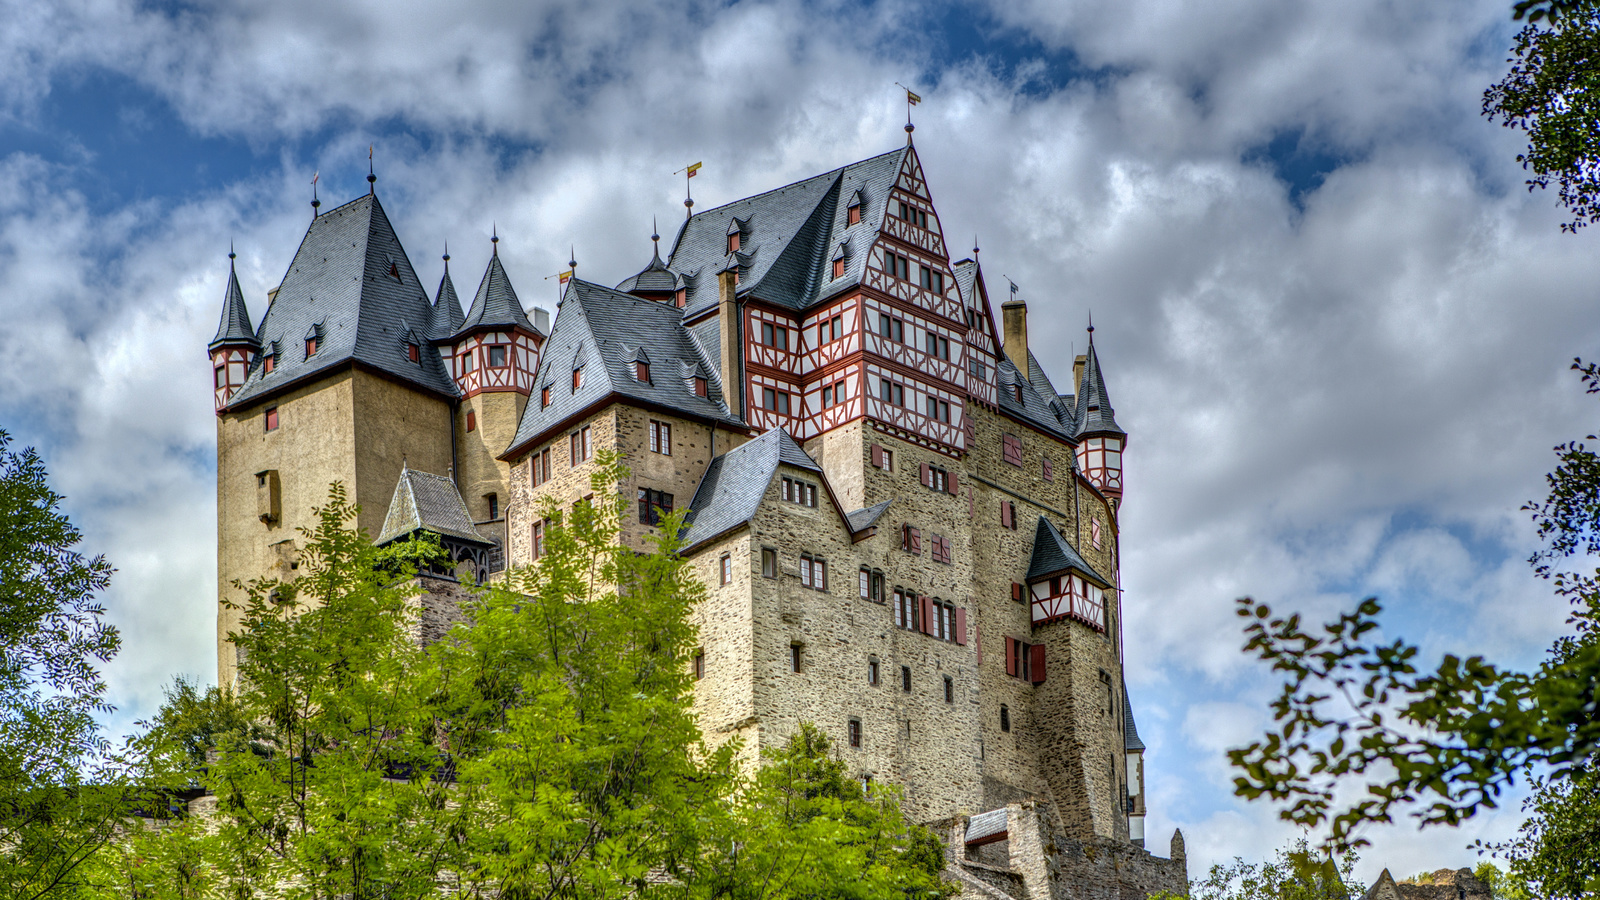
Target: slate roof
866 517
496 304
788 237
1094 413
427 502
1052 555
446 317
735 482
1130 732
1039 409
235 325
350 280
602 329
655 276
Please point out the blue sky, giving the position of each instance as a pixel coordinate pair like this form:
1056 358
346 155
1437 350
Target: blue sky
1334 321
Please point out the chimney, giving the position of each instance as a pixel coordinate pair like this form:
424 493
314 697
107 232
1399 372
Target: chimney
732 343
1078 362
1015 314
541 319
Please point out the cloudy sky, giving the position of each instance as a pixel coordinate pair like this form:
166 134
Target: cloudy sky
1334 321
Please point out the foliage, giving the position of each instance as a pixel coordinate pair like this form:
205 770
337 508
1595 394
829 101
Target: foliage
1448 740
806 829
1553 853
1502 886
1552 92
59 784
1297 873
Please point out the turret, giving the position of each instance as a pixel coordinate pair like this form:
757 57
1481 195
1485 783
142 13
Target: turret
655 281
1100 439
231 350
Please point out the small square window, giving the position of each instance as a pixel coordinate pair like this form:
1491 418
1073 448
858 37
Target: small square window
641 372
497 355
267 364
838 268
700 386
853 215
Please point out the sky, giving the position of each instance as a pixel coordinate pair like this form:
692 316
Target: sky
1334 321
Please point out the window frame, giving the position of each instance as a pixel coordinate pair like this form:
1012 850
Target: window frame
725 569
505 355
660 437
270 419
769 562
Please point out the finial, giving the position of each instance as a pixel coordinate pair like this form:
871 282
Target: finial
688 199
655 234
231 254
494 237
447 256
573 262
911 100
1091 326
974 245
314 201
372 180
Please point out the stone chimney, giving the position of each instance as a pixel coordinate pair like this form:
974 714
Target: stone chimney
732 343
1078 362
1014 312
541 319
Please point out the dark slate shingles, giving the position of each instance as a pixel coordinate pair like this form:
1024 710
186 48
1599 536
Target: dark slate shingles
235 325
1130 731
654 277
1052 555
867 516
1094 413
427 502
496 304
446 318
734 484
1034 408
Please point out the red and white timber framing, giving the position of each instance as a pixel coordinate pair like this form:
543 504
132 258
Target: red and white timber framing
472 361
229 365
1069 597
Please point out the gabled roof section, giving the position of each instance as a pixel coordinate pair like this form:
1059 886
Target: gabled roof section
789 235
868 516
734 484
1034 408
1130 732
1094 413
235 325
496 304
655 277
602 330
351 277
1053 556
446 318
427 502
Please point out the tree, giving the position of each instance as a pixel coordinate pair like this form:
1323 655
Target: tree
1553 853
1552 92
61 790
1296 873
1449 740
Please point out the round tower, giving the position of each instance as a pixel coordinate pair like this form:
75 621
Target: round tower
1100 440
234 345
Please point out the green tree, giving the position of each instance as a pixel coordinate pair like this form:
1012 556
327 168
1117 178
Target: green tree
61 790
1449 740
1553 853
1296 872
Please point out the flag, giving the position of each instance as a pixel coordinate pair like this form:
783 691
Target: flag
911 98
693 169
566 276
315 176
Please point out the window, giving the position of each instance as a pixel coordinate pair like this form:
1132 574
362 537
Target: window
466 362
1094 533
911 214
942 621
838 264
889 392
1019 593
897 266
829 330
905 685
1008 515
976 368
1025 661
653 506
801 492
497 355
699 665
1016 393
1005 718
949 689
872 671
726 564
775 336
907 612
541 467
827 394
700 388
938 410
472 421
813 573
769 562
267 363
221 373
775 401
1046 470
733 241
313 344
911 539
641 372
414 353
680 298
272 418
936 345
871 586
660 438
577 379
853 215
1011 449
537 540
931 280
891 328
882 457
580 449
940 549
544 397
493 502
855 732
794 658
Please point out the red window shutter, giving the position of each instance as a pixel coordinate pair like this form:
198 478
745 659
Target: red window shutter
472 420
924 476
916 541
1005 513
905 537
1016 592
977 641
877 456
929 626
961 625
1037 663
1011 657
951 484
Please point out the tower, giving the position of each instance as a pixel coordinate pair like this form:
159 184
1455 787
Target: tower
235 347
1100 439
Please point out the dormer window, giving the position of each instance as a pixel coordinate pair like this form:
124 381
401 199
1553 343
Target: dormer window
838 268
1016 391
394 270
641 372
700 387
733 242
544 397
266 364
577 378
680 297
313 340
853 215
414 353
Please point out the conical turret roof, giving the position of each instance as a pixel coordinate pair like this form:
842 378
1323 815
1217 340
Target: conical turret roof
1094 414
446 317
653 278
496 304
235 325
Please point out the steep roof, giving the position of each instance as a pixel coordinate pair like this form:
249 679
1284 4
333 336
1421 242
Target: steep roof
655 276
446 317
867 516
496 304
788 236
735 482
426 502
235 325
1130 731
1052 556
602 329
1036 408
1094 414
350 282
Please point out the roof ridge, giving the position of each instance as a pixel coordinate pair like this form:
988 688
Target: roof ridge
797 181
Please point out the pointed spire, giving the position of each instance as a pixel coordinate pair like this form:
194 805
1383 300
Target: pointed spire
494 239
372 179
314 201
445 318
572 263
235 325
1094 413
496 304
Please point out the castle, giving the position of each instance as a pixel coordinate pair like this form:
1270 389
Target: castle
909 536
